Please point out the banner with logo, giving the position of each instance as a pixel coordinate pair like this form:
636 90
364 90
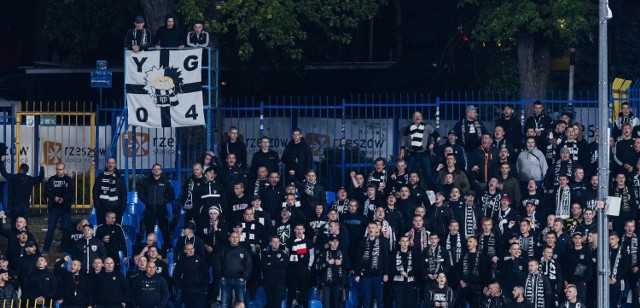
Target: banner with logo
164 88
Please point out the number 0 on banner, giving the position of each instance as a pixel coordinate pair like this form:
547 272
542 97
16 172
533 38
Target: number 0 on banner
164 88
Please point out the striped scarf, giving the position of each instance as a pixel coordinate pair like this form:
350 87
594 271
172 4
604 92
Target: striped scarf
563 200
400 267
476 125
434 259
453 258
470 222
534 290
372 252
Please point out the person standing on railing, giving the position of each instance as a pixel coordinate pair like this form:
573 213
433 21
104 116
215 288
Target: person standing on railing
21 185
60 192
156 192
297 157
169 35
417 146
470 130
139 38
512 127
109 192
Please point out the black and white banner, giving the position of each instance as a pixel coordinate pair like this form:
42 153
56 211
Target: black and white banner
164 88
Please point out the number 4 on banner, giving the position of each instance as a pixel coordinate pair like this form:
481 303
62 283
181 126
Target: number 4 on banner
192 112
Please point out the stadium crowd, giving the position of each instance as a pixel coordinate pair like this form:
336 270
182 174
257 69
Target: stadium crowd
502 219
485 219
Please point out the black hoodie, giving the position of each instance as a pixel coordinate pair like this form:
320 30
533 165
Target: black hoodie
166 37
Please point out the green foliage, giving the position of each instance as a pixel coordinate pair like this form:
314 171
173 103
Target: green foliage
281 25
570 21
80 29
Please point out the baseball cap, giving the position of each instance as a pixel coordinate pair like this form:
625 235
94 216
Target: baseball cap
30 244
333 237
564 150
139 19
470 108
576 234
470 193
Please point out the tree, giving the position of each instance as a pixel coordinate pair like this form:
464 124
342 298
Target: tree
532 25
281 25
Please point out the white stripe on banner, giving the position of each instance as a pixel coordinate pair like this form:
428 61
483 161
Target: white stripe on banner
164 88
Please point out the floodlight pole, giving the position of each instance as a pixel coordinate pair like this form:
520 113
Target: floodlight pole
603 161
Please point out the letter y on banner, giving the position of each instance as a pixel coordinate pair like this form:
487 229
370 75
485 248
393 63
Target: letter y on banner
164 88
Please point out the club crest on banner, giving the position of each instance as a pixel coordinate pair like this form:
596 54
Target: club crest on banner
164 89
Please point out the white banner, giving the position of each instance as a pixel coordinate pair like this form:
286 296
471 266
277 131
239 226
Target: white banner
164 88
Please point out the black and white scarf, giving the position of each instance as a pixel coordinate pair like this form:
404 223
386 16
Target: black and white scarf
488 244
631 242
534 290
527 243
336 255
400 267
466 270
558 168
372 252
434 258
549 269
342 207
454 255
623 194
476 125
491 204
563 202
616 262
470 223
570 305
308 189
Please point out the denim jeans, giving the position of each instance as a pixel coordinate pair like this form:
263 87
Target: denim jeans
424 162
232 285
55 214
371 286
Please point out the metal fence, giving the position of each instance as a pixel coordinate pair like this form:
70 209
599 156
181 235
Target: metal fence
345 133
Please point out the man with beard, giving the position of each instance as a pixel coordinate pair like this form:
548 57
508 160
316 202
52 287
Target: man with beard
77 288
112 236
470 129
481 161
273 195
311 193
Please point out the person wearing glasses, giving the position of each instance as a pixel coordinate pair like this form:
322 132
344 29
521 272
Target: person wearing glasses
60 193
138 38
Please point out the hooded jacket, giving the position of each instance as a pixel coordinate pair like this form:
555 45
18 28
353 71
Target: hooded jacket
166 37
297 157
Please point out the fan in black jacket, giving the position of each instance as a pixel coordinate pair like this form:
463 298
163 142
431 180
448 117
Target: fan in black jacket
20 185
77 288
41 285
274 263
191 277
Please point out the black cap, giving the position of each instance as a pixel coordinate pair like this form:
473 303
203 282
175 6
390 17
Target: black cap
189 225
210 169
452 132
23 230
470 193
30 244
139 19
3 257
256 197
332 237
576 234
87 225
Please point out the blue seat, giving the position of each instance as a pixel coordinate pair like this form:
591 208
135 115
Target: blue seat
132 197
254 304
349 304
123 267
314 303
261 297
171 264
313 293
331 196
92 217
353 297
